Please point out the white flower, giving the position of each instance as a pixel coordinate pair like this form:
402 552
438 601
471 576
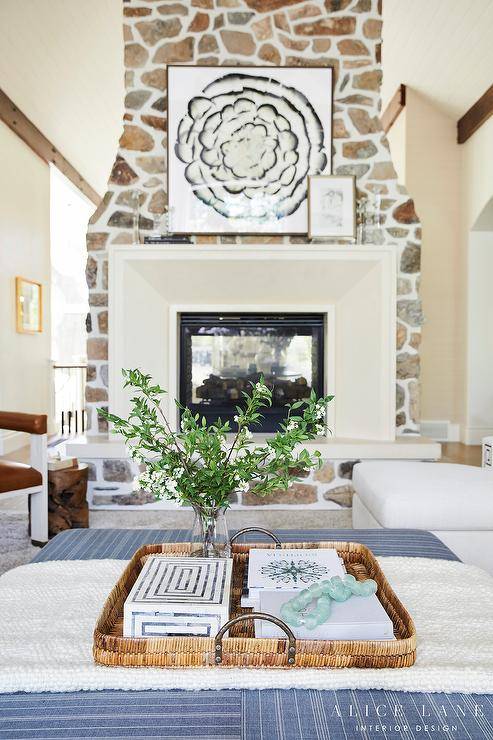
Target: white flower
171 485
247 434
135 454
320 428
243 487
320 412
236 418
291 425
261 388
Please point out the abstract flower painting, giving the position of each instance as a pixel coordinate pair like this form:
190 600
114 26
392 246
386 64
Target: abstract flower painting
242 142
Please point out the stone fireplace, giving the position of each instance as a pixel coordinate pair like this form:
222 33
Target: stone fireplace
367 294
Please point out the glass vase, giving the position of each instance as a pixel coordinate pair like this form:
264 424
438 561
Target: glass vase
209 536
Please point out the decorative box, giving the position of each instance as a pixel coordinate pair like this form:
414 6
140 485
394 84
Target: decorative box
179 596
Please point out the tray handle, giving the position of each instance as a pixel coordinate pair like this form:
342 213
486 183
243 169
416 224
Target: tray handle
256 529
218 640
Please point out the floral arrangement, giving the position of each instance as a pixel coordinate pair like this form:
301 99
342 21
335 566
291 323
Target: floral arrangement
203 464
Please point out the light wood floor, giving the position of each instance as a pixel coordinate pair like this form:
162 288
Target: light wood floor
456 452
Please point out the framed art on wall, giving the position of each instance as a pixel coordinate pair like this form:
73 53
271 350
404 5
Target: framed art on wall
241 144
332 206
29 306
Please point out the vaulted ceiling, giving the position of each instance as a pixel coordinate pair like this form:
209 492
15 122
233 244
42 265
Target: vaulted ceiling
441 48
61 62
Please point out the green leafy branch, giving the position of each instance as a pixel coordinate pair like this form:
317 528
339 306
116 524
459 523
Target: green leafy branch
203 464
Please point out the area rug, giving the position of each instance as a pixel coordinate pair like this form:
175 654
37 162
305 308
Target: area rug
46 635
16 548
15 545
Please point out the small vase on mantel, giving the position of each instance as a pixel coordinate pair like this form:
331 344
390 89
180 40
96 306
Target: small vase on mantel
209 534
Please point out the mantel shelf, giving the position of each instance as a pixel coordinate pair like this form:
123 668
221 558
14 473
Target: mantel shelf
409 447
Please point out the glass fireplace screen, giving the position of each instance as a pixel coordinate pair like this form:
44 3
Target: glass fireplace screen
220 354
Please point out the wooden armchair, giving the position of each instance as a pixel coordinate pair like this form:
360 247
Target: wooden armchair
17 479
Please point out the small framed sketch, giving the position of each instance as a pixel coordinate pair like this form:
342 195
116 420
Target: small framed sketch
332 206
29 306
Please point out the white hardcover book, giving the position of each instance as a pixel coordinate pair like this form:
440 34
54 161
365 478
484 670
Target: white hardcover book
358 618
179 596
292 568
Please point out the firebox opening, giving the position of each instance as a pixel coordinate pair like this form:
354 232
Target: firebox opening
221 354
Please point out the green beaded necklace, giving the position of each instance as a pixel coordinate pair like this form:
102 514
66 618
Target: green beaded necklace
335 589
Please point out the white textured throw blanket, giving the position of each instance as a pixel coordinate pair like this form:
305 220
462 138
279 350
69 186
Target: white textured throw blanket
48 612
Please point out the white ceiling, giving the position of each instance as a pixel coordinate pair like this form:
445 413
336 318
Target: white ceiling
61 62
441 48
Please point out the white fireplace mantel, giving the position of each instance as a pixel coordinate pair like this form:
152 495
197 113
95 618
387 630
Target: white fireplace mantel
355 286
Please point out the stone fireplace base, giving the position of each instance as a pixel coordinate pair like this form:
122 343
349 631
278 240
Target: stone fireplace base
111 474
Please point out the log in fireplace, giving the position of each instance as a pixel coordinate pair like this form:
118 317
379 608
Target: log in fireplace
220 354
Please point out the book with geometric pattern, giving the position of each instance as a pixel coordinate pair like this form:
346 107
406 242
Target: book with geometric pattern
179 596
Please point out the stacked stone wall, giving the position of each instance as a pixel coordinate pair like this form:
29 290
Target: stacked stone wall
345 34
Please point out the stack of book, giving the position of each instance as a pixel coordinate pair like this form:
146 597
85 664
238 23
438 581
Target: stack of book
275 576
58 462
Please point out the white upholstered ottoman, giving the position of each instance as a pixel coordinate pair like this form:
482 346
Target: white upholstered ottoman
455 502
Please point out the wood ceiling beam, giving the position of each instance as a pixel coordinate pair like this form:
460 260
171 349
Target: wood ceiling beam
475 116
396 105
37 141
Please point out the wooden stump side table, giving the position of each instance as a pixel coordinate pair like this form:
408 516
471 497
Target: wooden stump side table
67 503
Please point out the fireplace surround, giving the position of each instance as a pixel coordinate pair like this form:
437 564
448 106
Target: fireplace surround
354 289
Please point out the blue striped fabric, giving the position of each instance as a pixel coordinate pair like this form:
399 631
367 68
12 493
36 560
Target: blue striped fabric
244 715
90 544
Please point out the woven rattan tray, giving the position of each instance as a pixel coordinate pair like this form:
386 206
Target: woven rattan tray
241 648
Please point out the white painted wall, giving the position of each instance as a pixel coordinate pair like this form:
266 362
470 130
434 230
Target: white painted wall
477 174
477 265
24 251
452 186
397 137
479 416
423 145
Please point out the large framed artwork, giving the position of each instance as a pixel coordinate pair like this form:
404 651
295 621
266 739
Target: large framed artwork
241 144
